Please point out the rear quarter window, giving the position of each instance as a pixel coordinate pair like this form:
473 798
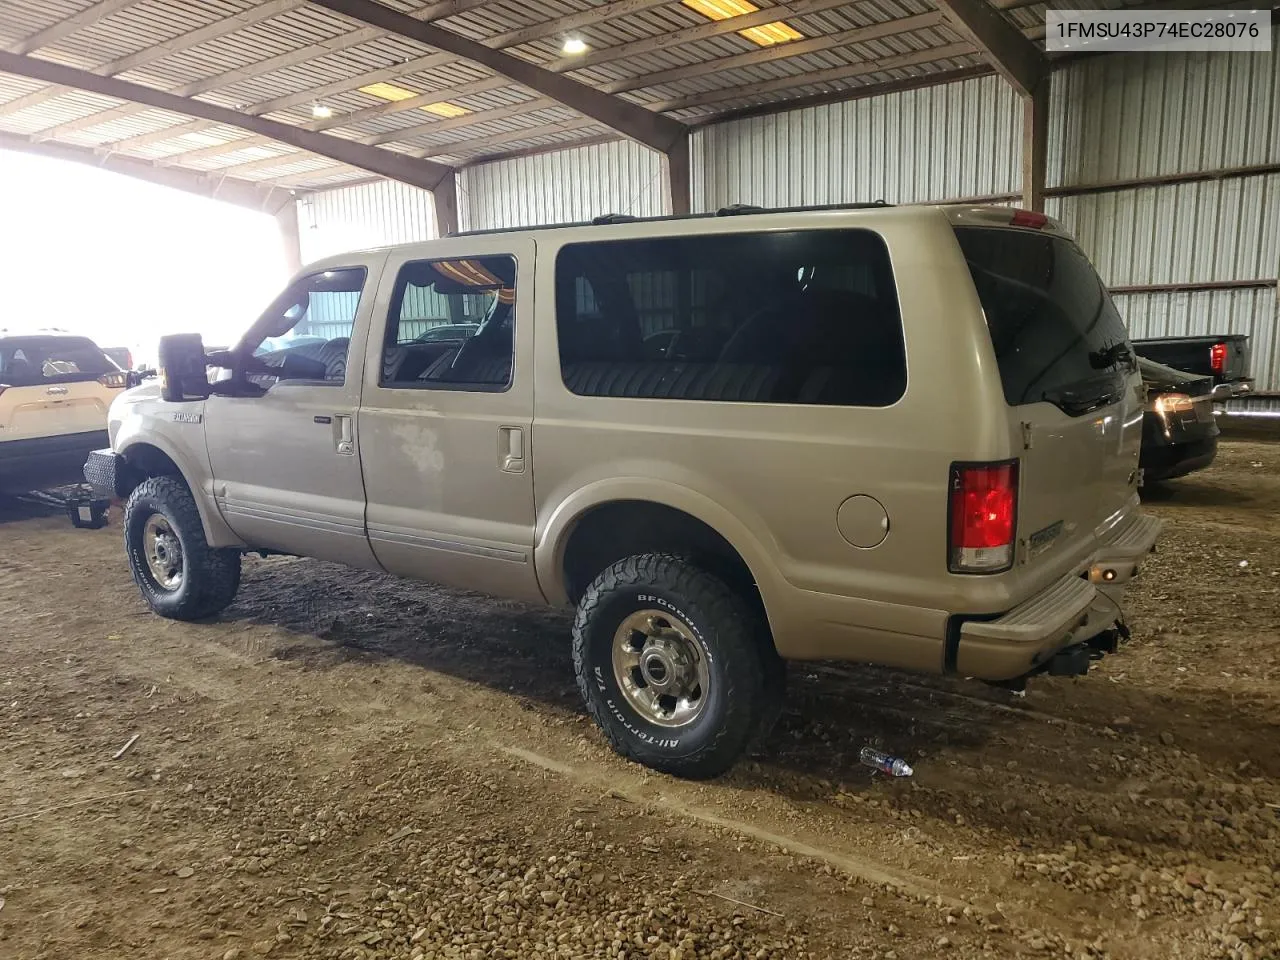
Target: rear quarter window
803 317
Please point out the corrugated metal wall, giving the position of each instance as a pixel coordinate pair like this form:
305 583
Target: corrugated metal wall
367 215
1135 115
1147 115
563 187
936 143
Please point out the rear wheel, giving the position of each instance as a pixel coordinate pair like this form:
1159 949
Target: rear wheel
675 667
179 574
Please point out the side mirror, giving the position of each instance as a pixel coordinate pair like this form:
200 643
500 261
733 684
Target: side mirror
182 368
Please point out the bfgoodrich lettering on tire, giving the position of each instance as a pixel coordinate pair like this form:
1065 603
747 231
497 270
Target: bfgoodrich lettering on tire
179 574
672 664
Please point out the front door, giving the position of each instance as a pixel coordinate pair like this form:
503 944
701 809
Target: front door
446 417
286 460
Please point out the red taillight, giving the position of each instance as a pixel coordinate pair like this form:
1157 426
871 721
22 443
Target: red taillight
1028 218
984 510
117 379
1218 357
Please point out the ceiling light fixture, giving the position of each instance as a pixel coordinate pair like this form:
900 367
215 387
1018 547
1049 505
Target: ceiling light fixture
771 34
388 91
446 109
574 46
320 111
768 35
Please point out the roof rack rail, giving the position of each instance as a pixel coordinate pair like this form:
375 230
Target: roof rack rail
731 210
739 209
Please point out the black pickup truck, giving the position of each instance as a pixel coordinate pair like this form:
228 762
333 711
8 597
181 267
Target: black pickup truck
1224 358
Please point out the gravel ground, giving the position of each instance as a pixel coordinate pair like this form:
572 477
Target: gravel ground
349 766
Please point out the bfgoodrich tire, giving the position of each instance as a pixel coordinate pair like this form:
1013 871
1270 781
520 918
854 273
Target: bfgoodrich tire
181 577
675 667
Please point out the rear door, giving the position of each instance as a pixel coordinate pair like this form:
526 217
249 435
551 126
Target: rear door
1070 379
446 416
53 386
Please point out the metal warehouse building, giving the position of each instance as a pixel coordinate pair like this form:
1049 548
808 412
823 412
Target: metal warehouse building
359 122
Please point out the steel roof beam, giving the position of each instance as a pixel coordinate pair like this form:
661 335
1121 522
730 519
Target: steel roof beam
385 163
537 31
701 31
403 135
493 140
1015 57
471 119
264 197
475 143
231 146
644 126
585 18
453 123
743 91
781 51
280 62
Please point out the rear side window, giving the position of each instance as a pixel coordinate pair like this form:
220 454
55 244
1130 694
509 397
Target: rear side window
1057 335
33 361
806 317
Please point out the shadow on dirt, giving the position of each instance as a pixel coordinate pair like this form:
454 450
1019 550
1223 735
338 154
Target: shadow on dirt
1190 493
16 507
832 710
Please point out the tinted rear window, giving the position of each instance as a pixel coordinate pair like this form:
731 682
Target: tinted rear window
1056 333
32 361
805 317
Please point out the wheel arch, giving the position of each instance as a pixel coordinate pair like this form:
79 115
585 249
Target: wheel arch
612 519
155 458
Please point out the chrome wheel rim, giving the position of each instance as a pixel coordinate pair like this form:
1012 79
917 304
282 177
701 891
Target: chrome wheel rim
163 551
660 668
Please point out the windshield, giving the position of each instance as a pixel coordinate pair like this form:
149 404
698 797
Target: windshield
1057 335
34 361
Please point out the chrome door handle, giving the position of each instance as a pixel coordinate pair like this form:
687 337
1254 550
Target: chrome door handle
511 449
344 436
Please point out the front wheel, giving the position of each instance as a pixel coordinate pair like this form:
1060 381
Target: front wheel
675 667
179 574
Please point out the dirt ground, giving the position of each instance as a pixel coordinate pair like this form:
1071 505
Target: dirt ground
349 766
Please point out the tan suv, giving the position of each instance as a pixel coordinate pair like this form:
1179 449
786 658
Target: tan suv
54 393
904 436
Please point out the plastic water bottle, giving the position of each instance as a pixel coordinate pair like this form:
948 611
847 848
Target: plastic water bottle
878 760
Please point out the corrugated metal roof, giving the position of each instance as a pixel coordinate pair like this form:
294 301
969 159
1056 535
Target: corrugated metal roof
245 53
22 18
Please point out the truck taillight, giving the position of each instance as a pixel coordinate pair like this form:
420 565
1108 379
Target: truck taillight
1218 357
1028 218
117 379
983 517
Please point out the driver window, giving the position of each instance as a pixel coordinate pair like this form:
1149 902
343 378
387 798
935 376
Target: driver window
305 335
451 325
